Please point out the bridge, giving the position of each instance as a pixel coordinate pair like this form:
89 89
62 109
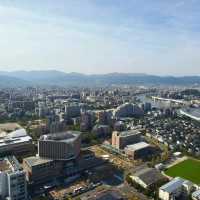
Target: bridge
175 101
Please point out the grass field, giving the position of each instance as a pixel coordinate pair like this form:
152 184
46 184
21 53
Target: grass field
188 169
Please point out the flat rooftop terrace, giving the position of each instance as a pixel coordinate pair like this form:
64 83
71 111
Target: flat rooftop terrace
128 133
34 161
62 136
138 146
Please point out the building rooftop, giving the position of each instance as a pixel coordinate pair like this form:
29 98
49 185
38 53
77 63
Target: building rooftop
173 185
101 126
149 175
17 133
137 146
35 160
10 141
196 195
127 133
15 137
67 136
9 164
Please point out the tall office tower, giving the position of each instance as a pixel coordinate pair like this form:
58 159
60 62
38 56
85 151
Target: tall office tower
147 107
72 110
86 121
103 117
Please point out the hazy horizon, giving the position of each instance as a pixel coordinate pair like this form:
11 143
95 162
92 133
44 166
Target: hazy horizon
90 74
101 36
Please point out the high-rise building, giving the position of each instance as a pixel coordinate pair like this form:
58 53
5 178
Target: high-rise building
12 179
119 126
137 111
60 146
72 110
103 117
147 106
127 110
101 130
86 121
40 170
41 110
124 110
121 139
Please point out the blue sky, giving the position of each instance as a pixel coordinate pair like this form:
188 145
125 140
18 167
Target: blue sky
101 36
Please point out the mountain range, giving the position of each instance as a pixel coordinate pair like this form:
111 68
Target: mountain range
58 78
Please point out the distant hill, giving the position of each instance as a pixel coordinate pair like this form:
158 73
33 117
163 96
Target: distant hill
7 81
57 78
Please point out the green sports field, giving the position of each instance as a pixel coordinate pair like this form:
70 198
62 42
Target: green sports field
188 169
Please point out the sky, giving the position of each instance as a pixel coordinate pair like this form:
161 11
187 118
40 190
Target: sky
160 37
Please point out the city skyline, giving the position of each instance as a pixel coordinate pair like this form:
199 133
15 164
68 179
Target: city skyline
99 99
99 37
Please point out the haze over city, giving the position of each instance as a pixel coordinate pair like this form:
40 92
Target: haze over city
101 36
99 100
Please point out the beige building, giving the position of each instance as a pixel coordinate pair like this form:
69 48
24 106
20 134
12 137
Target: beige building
121 139
40 170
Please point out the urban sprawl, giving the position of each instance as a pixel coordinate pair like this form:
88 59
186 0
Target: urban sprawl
112 143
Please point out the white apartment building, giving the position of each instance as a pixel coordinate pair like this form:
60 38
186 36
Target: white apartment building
12 180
